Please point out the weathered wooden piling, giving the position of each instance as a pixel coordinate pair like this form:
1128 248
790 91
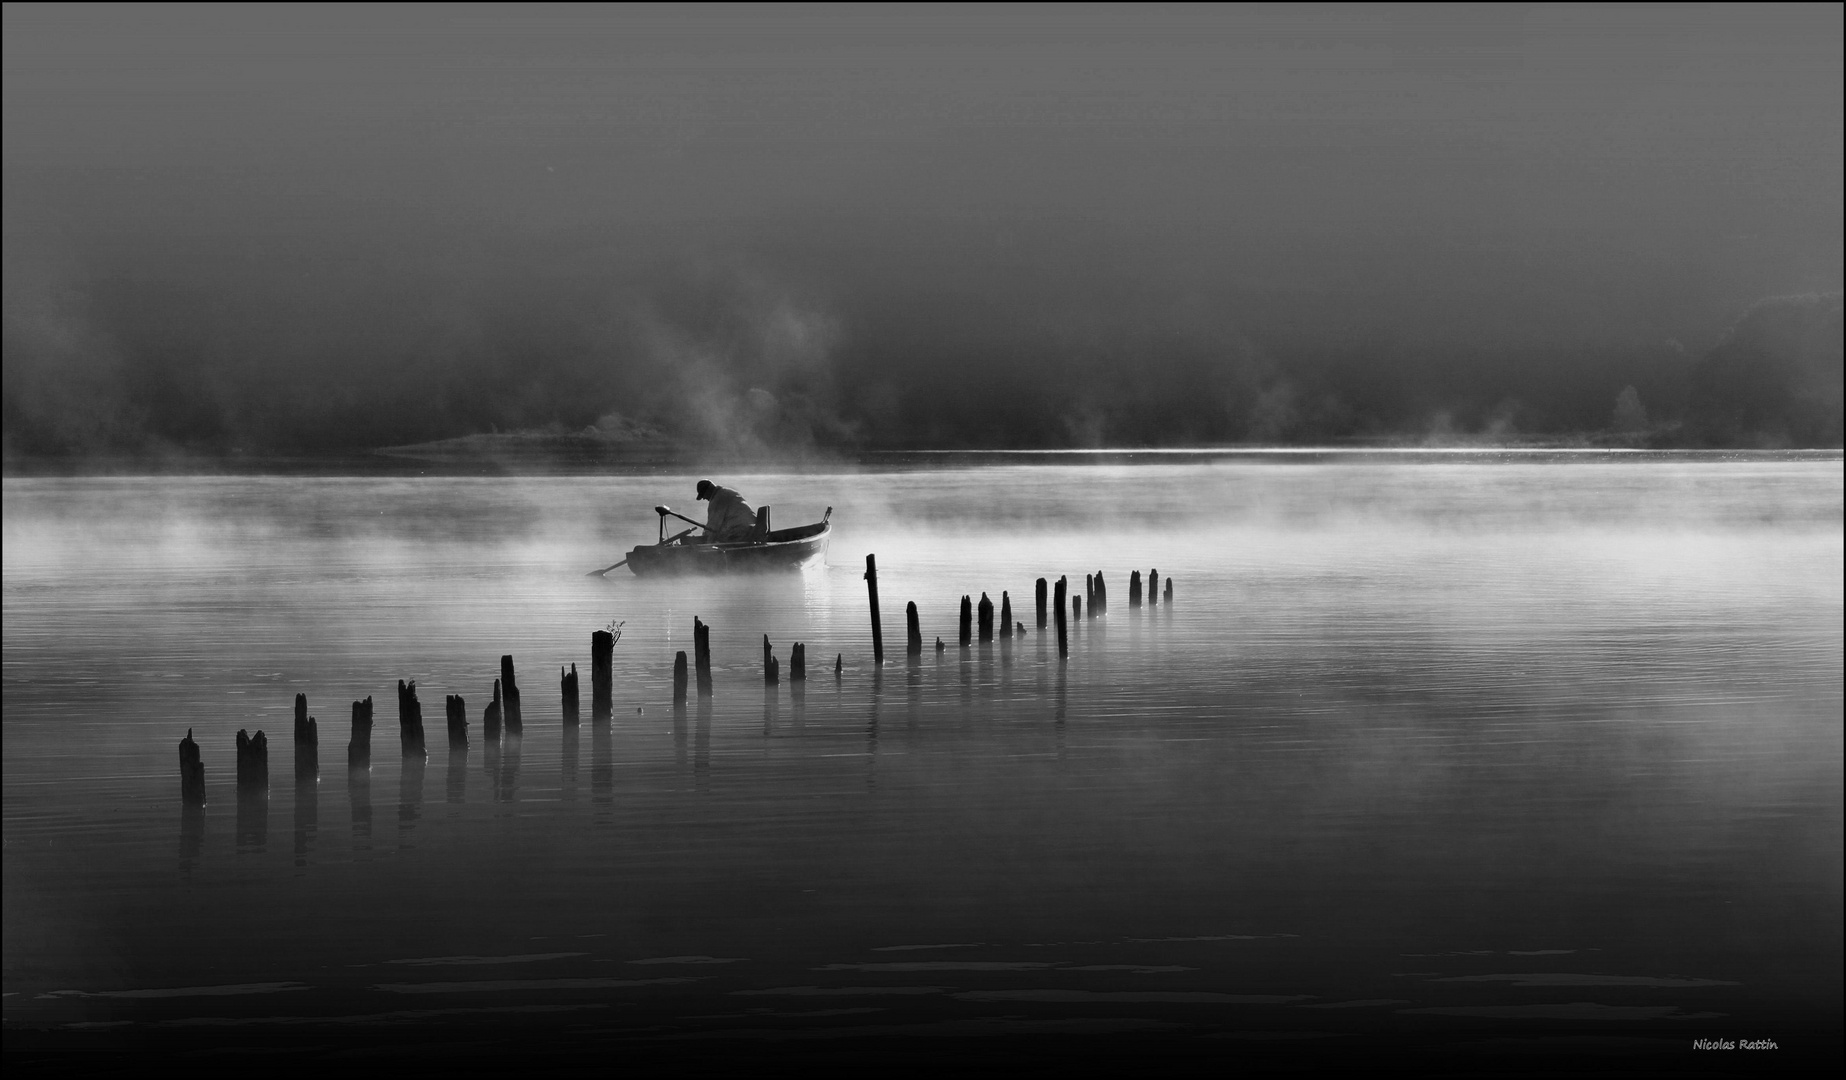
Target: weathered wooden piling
1089 593
839 664
1076 608
567 689
1153 588
798 663
701 655
679 677
1019 628
1167 597
771 674
987 618
1101 604
491 717
1058 610
191 772
913 642
939 645
602 663
409 714
306 730
1134 588
359 750
871 588
1040 589
967 621
456 710
252 761
1006 614
509 699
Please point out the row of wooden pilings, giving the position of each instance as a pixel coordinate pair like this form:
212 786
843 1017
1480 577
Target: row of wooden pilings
504 714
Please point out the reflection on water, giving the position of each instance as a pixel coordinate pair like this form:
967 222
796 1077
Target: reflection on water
1411 740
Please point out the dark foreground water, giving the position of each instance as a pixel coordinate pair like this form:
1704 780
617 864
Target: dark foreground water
1484 759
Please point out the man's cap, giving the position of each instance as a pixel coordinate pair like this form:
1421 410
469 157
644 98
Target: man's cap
705 488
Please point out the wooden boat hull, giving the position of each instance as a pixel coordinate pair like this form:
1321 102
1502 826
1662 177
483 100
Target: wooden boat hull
783 551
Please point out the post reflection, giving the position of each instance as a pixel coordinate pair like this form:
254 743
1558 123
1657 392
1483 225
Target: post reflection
567 765
458 773
410 794
701 747
307 799
871 729
191 836
359 799
509 768
602 763
252 819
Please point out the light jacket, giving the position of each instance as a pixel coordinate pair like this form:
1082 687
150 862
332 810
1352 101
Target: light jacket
729 518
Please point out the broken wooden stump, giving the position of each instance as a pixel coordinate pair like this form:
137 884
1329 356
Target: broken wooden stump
967 621
913 642
1101 604
491 717
1040 589
679 677
1153 587
871 588
567 690
1167 597
305 728
839 664
359 750
509 699
456 710
1076 608
602 662
1089 593
252 761
798 663
987 618
1006 614
1134 588
409 715
701 654
1058 611
939 645
772 673
191 772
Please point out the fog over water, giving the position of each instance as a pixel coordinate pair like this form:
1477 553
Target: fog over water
1543 748
296 230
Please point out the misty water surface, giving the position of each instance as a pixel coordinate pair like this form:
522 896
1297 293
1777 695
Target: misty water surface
1461 746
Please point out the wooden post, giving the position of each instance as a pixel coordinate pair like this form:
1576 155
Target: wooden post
567 688
1134 588
252 761
913 644
359 750
1041 603
409 714
1153 588
798 663
679 677
939 645
987 618
701 655
967 621
1168 597
457 712
490 717
305 728
1058 610
191 772
1101 605
509 699
1089 594
1076 608
878 630
839 661
769 663
602 664
1006 614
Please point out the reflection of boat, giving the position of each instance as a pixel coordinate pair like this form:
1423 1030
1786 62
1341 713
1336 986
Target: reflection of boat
771 551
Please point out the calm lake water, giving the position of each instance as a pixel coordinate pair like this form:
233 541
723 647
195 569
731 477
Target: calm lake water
1490 752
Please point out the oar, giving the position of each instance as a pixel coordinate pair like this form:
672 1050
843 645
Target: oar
606 569
663 543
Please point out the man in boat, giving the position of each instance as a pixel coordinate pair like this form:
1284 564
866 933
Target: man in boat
728 519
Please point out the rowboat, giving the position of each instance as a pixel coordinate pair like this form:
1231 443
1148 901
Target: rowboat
770 551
